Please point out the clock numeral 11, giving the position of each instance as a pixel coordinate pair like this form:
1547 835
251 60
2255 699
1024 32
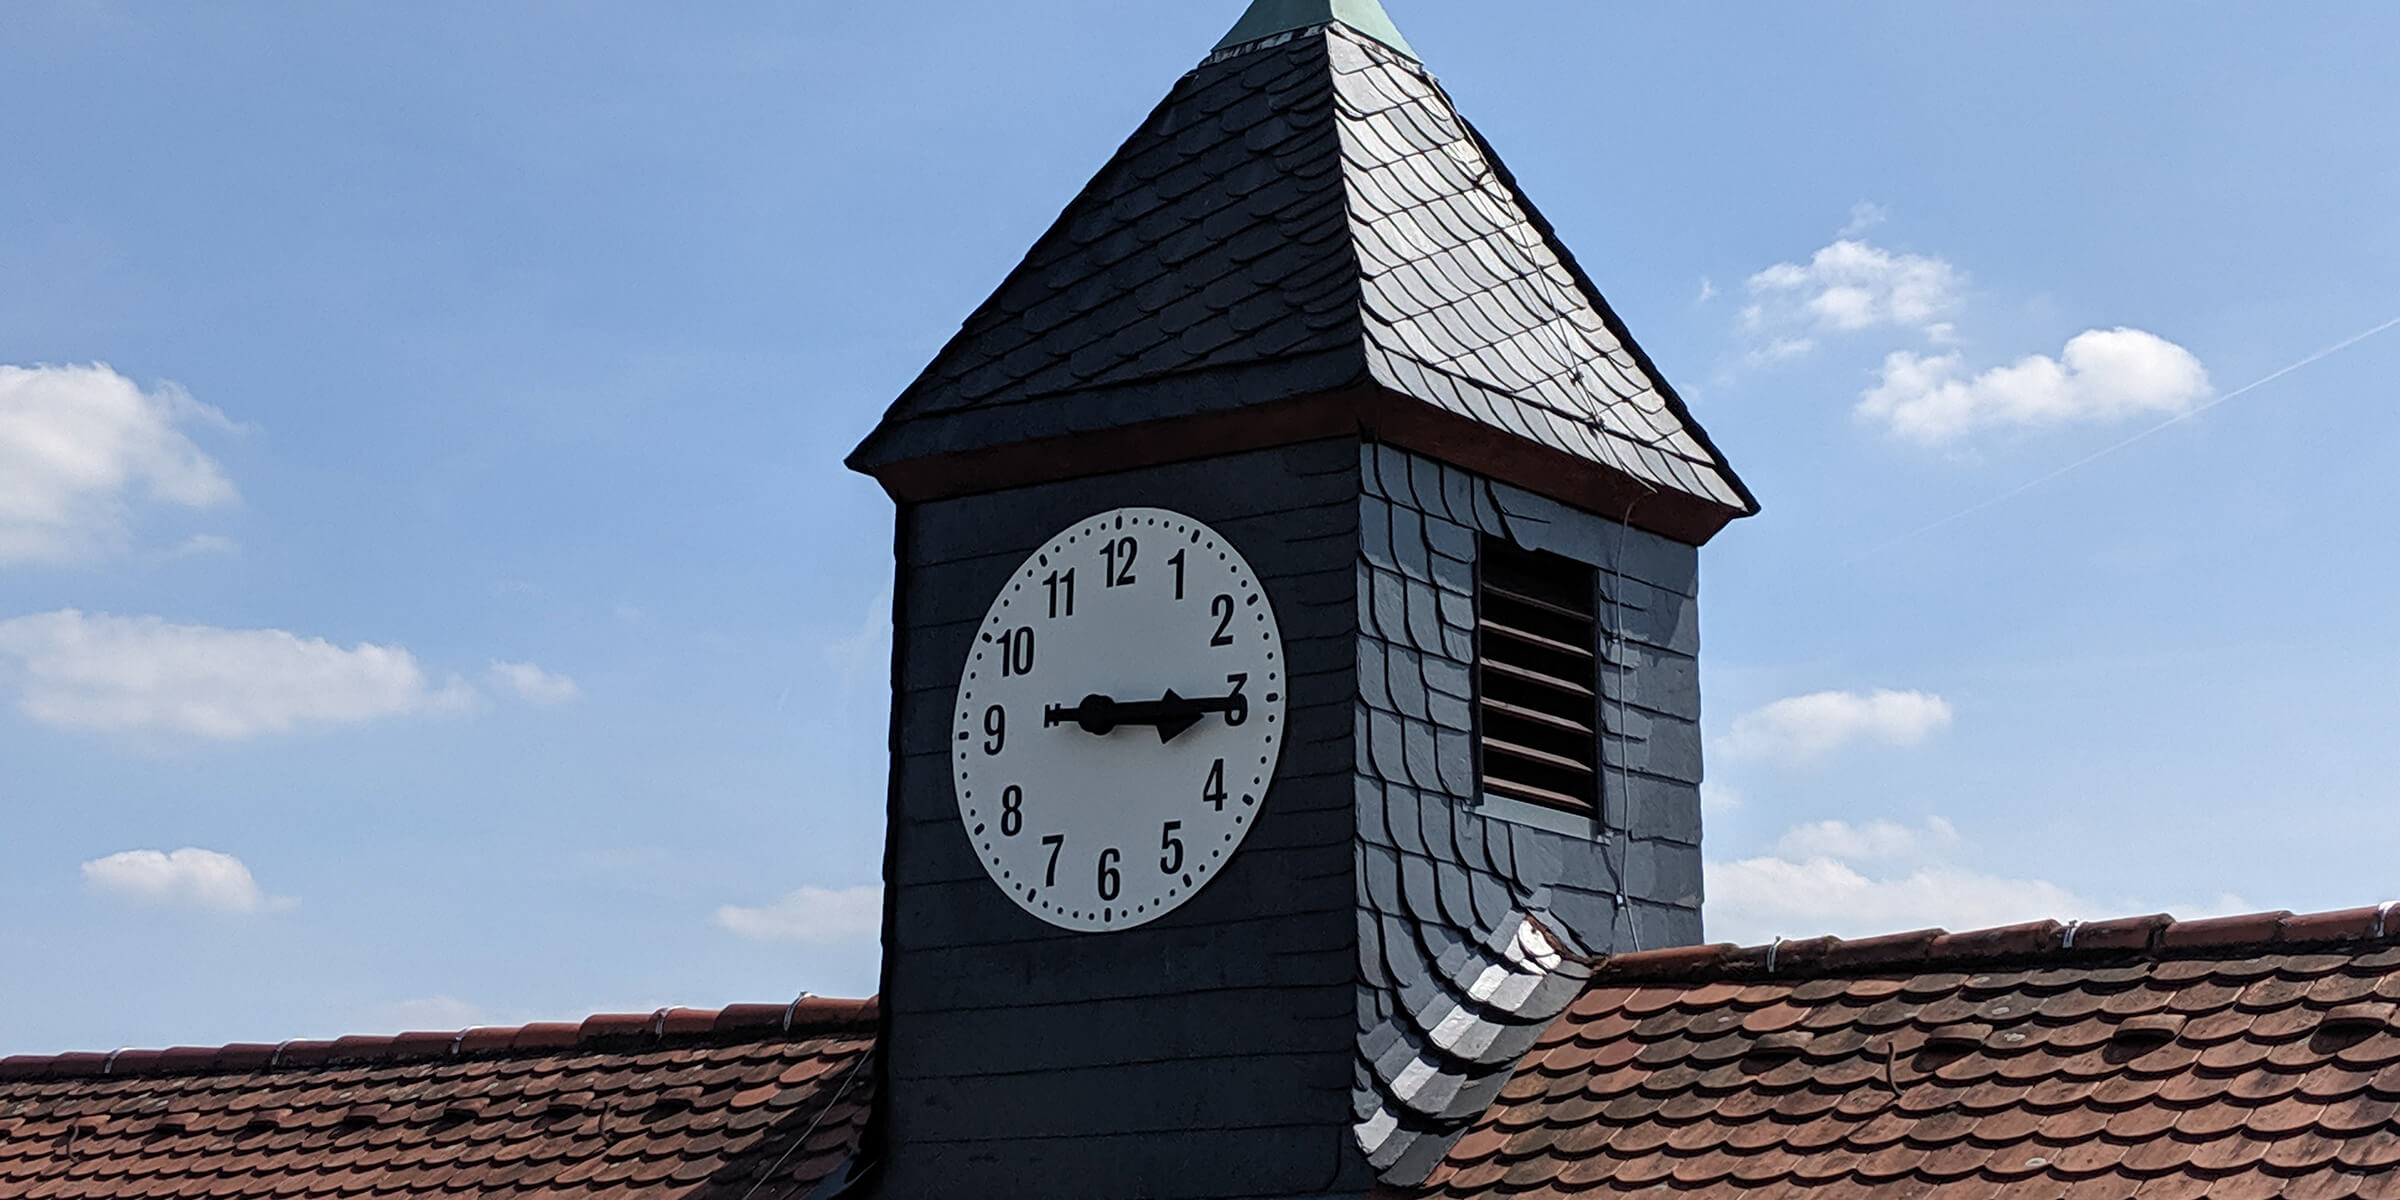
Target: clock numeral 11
1062 593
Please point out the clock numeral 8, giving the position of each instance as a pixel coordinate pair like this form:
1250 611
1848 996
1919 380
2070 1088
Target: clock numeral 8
1016 652
1012 811
1111 882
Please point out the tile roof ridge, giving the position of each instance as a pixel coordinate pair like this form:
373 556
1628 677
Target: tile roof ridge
736 1024
2160 935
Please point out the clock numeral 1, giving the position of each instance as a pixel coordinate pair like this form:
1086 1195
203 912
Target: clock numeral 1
995 729
1120 554
1016 653
1222 609
1214 792
1172 860
1012 811
1062 593
1177 563
1056 842
1111 881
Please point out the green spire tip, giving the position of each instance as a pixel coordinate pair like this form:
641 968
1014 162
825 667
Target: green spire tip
1267 18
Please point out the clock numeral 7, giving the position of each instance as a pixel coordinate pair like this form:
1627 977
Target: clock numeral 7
1056 842
1120 555
1172 860
1062 593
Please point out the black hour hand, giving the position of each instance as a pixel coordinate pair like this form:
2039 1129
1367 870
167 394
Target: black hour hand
1171 715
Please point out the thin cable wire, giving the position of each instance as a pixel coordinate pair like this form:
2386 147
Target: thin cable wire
1616 643
811 1131
2144 435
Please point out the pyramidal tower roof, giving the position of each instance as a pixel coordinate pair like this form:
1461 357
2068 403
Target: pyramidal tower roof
1303 240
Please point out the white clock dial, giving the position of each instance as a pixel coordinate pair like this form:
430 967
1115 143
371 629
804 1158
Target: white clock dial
1119 719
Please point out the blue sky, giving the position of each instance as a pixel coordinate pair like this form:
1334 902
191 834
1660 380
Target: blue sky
429 594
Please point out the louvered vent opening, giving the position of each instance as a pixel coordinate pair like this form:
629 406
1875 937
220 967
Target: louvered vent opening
1534 675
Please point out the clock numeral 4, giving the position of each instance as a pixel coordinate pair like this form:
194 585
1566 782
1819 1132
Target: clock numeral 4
1016 652
1111 881
1120 555
1171 860
1062 593
1213 792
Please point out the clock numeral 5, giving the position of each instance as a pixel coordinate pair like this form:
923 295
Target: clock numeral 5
1120 554
1171 861
1062 593
1016 652
1111 882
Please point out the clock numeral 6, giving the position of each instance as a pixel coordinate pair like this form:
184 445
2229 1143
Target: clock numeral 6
1222 609
1111 882
995 729
1171 861
1016 652
1012 811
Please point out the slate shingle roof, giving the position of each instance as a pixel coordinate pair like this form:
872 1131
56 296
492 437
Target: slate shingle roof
756 1102
1302 216
2248 1057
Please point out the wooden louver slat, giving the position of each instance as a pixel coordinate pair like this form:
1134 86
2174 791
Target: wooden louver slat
1537 678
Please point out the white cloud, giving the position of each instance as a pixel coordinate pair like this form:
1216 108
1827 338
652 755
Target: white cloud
1865 215
1802 728
2104 375
812 915
1847 287
142 674
186 878
532 684
80 445
1853 881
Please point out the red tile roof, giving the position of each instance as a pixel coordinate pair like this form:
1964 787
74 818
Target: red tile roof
2244 1057
753 1102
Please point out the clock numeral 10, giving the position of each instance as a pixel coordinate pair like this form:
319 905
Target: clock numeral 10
1062 593
1120 555
1016 652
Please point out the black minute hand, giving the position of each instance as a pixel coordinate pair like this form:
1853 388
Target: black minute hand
1171 715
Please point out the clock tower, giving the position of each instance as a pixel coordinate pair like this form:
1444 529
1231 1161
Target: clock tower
1295 657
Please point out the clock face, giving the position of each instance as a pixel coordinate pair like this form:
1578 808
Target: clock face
1119 719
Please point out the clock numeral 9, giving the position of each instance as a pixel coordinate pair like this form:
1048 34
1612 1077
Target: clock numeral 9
1016 653
995 729
1111 881
1120 554
1012 811
1171 861
1062 593
1222 609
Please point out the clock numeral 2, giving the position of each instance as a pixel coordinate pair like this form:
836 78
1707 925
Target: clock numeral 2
1111 881
1222 609
1062 593
1172 860
1056 842
995 729
1016 653
1120 554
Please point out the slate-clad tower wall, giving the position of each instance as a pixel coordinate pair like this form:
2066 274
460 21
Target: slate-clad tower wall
1307 305
1209 1053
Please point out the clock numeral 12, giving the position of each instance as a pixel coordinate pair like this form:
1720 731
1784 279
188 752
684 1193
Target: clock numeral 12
1120 554
1062 593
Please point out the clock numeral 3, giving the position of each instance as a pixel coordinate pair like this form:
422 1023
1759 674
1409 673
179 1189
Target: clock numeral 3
1214 791
1016 653
1012 811
1171 861
1120 554
1056 842
995 729
1062 594
1222 609
1111 881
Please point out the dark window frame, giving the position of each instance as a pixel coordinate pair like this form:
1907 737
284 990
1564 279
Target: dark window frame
1538 698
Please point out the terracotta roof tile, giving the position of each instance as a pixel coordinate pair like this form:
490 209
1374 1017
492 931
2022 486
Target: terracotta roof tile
614 1106
2254 1056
